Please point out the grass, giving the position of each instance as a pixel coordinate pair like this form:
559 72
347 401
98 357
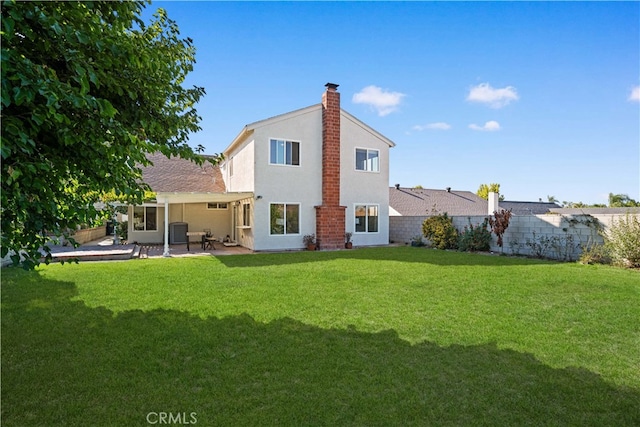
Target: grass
380 336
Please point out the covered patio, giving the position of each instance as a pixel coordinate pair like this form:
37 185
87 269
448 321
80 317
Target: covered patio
178 218
190 201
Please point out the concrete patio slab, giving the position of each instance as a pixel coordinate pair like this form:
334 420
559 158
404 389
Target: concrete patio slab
104 249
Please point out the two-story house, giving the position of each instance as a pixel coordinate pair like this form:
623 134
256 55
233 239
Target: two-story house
313 170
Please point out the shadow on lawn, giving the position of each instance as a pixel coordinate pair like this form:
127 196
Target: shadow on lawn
402 254
66 364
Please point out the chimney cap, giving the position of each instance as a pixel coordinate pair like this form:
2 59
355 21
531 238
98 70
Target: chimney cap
331 86
397 186
448 189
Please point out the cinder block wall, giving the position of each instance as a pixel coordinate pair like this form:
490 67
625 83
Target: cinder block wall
552 235
403 228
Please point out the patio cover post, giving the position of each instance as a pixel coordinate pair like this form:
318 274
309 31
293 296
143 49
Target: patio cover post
166 229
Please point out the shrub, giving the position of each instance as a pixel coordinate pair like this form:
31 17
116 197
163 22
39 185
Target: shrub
122 229
440 231
539 245
623 241
595 254
515 246
564 247
417 241
500 223
476 238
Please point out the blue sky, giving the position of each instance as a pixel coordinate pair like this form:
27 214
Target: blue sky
542 98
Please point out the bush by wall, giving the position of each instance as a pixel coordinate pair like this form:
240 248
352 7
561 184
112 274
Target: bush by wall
476 238
440 231
123 230
559 236
623 241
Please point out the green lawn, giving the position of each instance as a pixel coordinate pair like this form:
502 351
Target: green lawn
380 336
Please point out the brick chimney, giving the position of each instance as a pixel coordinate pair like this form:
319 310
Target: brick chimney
330 216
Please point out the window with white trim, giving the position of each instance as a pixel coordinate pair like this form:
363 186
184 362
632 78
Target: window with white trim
366 219
145 218
217 205
367 160
284 218
283 152
246 215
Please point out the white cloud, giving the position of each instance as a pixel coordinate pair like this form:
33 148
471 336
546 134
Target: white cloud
635 94
490 126
494 98
433 126
383 101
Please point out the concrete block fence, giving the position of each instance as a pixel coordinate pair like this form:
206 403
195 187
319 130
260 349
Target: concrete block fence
549 235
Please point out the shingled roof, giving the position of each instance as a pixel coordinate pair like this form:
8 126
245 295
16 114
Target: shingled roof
596 211
528 208
422 202
176 175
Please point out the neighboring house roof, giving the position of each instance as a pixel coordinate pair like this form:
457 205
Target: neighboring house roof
423 202
596 211
176 175
527 208
248 129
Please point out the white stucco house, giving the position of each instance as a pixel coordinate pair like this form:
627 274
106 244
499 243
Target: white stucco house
316 170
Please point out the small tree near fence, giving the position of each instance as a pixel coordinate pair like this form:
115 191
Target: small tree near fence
499 224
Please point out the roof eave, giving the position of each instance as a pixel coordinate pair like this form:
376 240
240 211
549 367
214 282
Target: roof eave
244 133
199 197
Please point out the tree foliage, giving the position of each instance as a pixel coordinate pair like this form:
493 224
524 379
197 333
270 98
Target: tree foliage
485 189
621 201
615 201
88 89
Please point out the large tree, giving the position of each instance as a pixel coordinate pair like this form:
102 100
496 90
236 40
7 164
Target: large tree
88 89
621 201
484 190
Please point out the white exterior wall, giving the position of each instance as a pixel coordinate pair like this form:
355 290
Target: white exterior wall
361 187
239 173
303 184
241 178
288 184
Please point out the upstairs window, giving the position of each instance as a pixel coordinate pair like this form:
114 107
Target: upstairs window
367 160
283 152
